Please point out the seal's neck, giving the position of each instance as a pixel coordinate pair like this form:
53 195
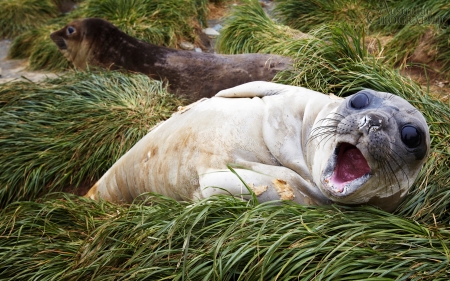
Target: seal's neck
118 50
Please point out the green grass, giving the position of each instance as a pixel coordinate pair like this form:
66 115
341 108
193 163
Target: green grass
403 45
442 42
69 131
249 30
310 14
160 22
221 238
406 21
387 16
17 16
394 16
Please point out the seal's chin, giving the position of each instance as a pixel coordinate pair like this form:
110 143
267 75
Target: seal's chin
346 172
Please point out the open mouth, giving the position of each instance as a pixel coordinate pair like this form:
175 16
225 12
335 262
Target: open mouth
347 170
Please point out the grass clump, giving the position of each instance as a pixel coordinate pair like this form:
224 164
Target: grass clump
442 41
249 30
404 44
160 239
48 236
407 21
412 22
17 16
397 15
310 14
155 21
67 132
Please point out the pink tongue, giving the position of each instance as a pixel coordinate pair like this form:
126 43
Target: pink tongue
351 165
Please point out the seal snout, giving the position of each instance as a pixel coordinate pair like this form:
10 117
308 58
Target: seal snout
58 41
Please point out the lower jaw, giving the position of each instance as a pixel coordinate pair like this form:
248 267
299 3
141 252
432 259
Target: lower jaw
348 190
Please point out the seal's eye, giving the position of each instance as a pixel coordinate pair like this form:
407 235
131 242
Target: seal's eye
70 30
410 136
359 101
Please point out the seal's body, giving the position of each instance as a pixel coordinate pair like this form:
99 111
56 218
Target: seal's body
96 42
284 142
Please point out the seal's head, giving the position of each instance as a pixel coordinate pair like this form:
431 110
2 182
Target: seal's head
79 40
69 40
378 144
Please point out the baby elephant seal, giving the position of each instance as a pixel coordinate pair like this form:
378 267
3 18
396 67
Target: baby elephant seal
285 142
96 42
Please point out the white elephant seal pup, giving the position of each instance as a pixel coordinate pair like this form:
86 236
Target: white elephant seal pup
285 142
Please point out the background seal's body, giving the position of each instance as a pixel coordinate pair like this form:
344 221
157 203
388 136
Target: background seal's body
97 42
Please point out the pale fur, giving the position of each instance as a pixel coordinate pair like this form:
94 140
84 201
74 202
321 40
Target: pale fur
261 129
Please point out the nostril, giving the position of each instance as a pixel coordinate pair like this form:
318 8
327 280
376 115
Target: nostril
375 123
376 120
363 122
372 122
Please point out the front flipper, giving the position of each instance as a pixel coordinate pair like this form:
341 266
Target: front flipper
267 182
255 89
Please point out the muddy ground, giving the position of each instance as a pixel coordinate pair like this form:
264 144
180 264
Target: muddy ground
17 69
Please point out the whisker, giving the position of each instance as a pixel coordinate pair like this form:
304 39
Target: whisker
382 164
327 138
398 164
398 146
389 179
391 159
328 131
393 173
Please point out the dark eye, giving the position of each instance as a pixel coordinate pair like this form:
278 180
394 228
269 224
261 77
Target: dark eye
70 30
359 101
411 136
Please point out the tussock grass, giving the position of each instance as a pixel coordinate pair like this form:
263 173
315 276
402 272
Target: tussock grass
69 131
442 42
221 238
310 14
405 20
397 15
335 60
17 16
155 21
404 44
249 30
387 16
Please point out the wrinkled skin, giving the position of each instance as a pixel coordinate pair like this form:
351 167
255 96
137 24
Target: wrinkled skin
285 142
96 42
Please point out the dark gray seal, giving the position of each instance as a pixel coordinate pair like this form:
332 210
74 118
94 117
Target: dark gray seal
96 42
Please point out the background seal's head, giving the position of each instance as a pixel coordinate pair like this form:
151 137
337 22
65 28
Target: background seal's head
380 142
81 41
